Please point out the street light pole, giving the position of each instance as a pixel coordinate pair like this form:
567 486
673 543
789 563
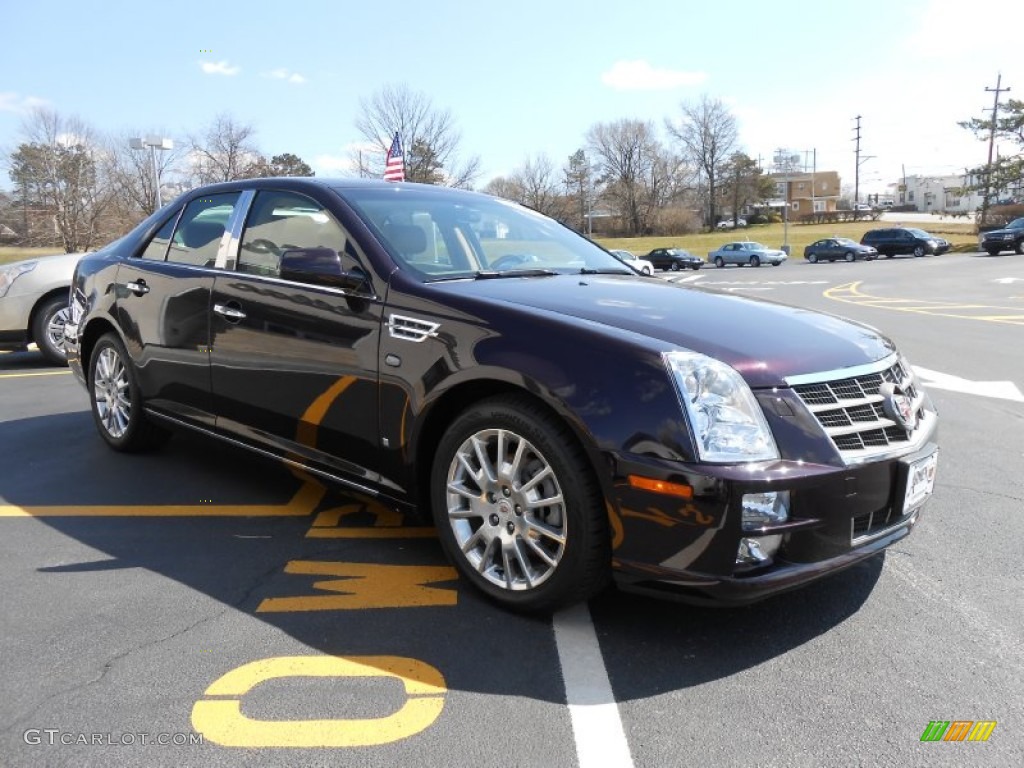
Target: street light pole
154 143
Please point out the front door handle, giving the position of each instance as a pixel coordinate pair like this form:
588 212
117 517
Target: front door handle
232 311
138 287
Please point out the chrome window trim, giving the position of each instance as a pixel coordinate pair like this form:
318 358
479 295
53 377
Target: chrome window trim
227 253
294 284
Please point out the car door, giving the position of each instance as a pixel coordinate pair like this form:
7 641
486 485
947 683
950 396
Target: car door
829 249
163 306
293 362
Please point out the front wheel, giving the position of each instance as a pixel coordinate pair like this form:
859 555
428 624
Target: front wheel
645 271
992 251
517 507
719 262
1018 248
116 401
695 267
48 329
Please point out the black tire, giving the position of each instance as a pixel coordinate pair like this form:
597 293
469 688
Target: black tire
115 400
695 267
918 251
812 257
674 266
850 257
755 261
48 329
645 271
1018 248
992 251
490 524
719 262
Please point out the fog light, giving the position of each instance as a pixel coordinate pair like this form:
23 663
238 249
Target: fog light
757 551
761 509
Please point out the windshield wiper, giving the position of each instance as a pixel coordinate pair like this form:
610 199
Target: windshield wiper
592 271
494 274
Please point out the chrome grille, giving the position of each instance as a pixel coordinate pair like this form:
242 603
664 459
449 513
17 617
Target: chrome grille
850 409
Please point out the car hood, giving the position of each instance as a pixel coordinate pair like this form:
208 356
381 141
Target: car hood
764 341
1002 232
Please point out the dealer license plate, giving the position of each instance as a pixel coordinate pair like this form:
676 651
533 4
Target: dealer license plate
920 482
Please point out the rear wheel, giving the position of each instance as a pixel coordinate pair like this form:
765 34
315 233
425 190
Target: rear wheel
116 402
674 266
755 261
48 329
517 508
812 257
719 262
850 256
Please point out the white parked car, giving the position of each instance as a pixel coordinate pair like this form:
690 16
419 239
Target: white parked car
730 224
630 259
34 303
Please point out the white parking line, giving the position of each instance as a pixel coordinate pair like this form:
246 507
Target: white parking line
596 725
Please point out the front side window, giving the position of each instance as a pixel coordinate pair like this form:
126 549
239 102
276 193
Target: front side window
200 230
285 221
156 249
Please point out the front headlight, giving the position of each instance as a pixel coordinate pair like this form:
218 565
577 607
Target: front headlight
727 422
12 272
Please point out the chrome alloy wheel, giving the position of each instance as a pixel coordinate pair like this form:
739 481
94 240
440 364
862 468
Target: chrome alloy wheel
110 392
506 509
55 328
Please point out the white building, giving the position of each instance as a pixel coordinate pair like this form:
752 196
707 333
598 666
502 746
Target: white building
945 194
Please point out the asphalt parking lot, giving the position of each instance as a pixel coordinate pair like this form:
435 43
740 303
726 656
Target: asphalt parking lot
203 607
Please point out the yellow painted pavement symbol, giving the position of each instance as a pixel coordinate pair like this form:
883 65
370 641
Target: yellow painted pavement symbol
222 722
366 585
387 524
850 293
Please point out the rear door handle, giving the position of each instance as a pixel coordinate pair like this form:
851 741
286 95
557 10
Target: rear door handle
138 287
231 311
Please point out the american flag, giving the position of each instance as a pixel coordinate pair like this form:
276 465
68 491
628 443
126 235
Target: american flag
394 170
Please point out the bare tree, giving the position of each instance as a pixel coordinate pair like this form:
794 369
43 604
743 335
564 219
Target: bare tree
225 151
640 175
130 174
507 187
430 138
56 170
708 135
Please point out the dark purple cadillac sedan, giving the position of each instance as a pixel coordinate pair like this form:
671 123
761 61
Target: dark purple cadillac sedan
564 420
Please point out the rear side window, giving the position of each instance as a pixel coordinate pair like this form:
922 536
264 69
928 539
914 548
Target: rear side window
200 230
156 249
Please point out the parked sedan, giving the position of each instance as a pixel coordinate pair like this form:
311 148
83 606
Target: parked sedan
674 259
562 419
630 259
730 224
833 248
746 252
34 304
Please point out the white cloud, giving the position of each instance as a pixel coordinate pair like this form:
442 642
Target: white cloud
641 76
284 74
219 68
11 101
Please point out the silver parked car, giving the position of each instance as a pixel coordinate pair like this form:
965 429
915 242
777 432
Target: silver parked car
630 259
746 252
34 303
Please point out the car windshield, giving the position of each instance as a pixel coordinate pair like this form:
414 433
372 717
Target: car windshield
444 236
1016 224
678 252
752 246
918 232
845 241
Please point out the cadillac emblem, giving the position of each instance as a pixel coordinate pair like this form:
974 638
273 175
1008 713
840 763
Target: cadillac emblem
898 406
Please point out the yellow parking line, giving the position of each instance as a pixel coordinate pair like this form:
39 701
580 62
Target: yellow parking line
850 293
33 373
301 504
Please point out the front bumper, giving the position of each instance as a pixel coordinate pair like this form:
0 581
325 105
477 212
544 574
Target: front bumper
15 312
839 516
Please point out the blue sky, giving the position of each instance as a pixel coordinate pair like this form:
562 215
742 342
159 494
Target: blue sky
526 77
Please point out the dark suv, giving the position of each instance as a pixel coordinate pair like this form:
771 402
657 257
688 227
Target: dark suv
1009 237
904 240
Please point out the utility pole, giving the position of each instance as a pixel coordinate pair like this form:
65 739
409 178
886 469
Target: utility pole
991 142
856 167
